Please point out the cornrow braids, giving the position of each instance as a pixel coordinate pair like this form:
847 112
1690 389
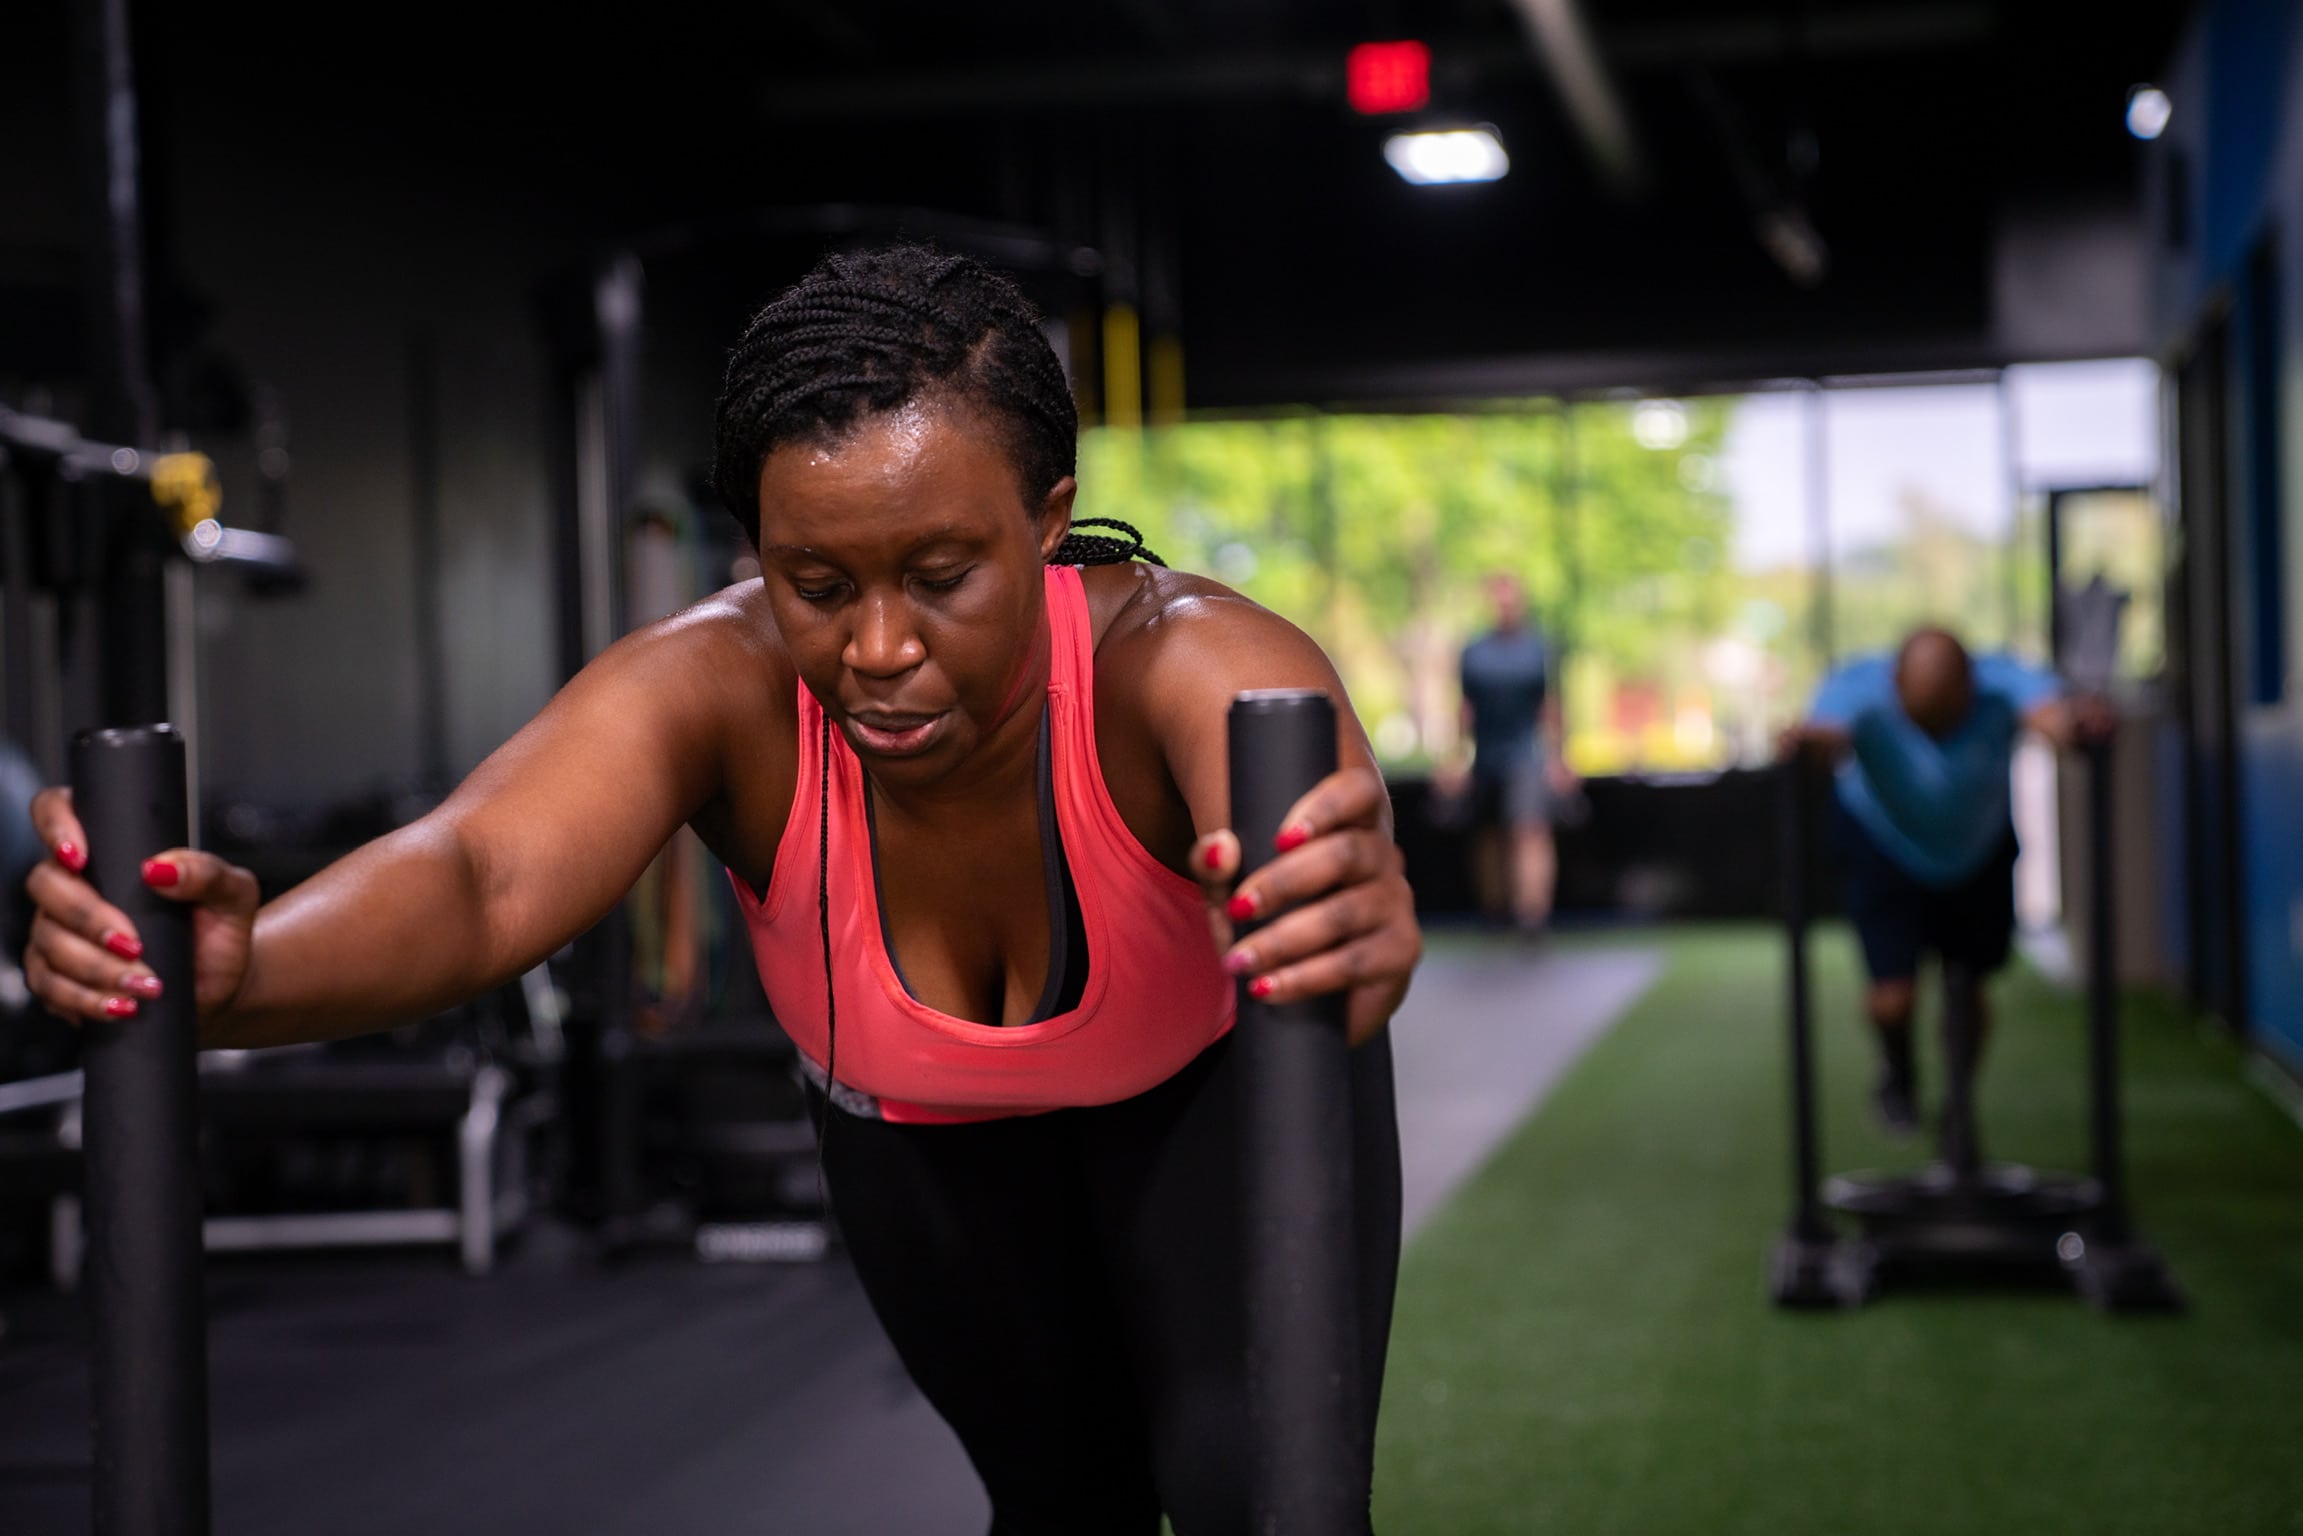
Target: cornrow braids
874 330
1080 548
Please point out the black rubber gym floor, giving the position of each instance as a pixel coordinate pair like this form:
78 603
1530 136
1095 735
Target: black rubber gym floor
389 1394
386 1394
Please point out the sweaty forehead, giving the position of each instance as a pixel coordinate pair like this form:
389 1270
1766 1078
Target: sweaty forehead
892 442
904 473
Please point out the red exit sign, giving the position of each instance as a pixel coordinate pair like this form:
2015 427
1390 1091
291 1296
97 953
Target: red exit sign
1388 77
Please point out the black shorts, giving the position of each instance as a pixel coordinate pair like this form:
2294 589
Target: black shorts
1067 1290
1899 918
1515 794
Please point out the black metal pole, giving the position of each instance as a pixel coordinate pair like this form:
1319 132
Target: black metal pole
1304 1384
16 712
430 650
619 315
16 609
1822 626
150 1355
2103 997
118 369
1808 1223
1961 1145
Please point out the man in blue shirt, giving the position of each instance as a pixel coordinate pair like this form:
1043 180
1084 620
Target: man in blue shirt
1511 716
1921 817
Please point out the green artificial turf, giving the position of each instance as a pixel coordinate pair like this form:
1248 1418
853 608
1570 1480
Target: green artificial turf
1584 1343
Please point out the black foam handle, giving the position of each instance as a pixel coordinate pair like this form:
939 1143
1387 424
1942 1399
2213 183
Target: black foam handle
2103 996
1793 788
1304 1379
150 1355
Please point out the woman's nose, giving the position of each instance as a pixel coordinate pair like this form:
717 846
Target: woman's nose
883 642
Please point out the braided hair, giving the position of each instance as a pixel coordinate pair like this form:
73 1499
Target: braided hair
875 330
868 333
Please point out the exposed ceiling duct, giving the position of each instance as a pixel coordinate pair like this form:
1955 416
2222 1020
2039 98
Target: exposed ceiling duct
1564 47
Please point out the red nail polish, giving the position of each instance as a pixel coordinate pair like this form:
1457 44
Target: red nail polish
1260 987
120 1007
1291 838
1239 962
143 986
70 856
161 873
1242 905
1213 858
122 945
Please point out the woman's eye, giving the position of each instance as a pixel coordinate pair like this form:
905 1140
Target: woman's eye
945 583
817 594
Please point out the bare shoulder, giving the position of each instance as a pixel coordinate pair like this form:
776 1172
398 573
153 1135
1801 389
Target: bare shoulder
736 619
724 646
721 666
1173 650
711 684
1147 615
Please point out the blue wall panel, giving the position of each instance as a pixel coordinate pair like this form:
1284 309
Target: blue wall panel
2248 43
2271 770
2238 87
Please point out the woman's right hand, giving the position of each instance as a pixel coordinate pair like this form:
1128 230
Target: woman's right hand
84 962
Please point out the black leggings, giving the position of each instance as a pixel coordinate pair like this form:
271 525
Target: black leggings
1067 1289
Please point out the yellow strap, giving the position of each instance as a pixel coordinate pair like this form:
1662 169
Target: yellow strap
186 487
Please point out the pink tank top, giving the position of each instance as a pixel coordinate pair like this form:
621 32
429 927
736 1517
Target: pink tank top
1154 994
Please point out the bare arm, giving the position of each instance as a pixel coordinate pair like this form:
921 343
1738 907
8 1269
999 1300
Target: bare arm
531 850
2073 720
1551 738
534 848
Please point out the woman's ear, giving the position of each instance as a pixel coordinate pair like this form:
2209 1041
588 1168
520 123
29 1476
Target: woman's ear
1055 516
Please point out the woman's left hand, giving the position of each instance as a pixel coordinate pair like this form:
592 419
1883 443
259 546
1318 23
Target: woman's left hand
1340 914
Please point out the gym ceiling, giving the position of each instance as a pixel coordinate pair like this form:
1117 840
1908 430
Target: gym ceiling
1698 189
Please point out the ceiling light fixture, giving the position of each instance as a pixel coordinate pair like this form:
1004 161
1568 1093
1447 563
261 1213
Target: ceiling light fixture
2147 111
1447 156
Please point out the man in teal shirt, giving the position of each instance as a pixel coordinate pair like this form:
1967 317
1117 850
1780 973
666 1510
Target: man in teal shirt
1517 778
1921 820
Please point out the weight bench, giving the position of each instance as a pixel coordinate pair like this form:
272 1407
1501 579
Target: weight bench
299 1089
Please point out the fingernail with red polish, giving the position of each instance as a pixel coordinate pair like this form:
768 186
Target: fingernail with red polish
122 945
161 873
1239 962
70 856
143 986
1242 905
1213 858
1291 837
120 1007
1260 987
